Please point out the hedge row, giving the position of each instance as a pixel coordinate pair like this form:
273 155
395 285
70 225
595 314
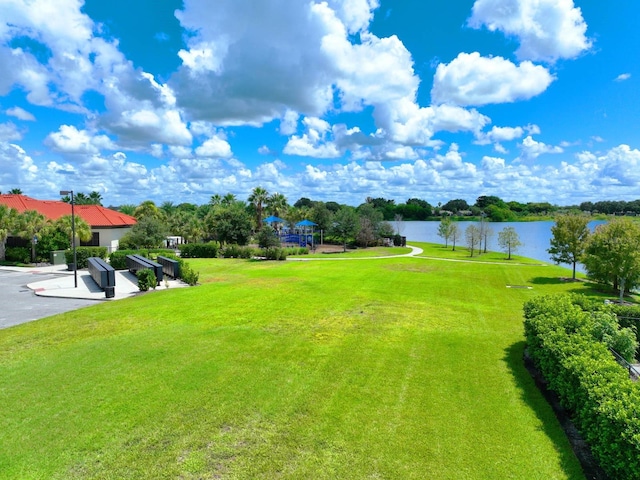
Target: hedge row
199 250
83 254
214 250
563 341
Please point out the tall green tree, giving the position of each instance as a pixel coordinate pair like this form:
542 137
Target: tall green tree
509 240
569 239
229 224
95 198
321 215
30 224
276 204
65 225
612 254
148 232
15 191
345 225
8 218
148 209
127 209
369 229
258 199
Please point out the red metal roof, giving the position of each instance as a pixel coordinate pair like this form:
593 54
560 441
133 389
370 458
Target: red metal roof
94 215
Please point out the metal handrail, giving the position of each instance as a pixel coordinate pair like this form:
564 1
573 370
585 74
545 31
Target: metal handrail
633 373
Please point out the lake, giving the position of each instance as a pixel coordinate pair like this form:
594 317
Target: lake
535 236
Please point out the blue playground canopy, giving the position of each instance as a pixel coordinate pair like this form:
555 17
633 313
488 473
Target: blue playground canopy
306 223
273 219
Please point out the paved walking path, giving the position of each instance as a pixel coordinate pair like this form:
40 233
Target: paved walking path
414 251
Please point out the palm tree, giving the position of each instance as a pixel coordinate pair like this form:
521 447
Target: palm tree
215 200
127 209
277 204
229 199
81 199
15 191
258 198
169 208
30 223
148 209
95 198
83 230
8 218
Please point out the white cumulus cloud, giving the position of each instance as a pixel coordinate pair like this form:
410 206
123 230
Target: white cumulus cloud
471 79
547 30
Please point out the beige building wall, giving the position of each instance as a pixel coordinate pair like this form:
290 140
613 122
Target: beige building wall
110 237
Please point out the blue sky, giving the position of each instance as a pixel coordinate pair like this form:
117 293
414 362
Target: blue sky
339 100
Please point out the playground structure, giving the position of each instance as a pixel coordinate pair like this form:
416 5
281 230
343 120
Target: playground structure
301 234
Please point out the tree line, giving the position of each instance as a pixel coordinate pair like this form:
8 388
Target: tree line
610 255
228 220
42 234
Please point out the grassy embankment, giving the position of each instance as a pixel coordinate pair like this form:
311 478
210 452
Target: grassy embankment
388 368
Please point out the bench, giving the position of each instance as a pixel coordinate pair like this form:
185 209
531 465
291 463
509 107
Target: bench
103 274
170 266
138 262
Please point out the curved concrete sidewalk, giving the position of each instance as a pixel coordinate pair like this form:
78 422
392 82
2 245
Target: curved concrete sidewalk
414 251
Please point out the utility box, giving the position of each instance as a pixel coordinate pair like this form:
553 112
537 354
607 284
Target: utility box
58 257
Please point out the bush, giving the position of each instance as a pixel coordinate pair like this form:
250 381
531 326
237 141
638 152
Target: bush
563 341
628 316
146 279
236 251
199 250
18 254
188 275
83 253
275 253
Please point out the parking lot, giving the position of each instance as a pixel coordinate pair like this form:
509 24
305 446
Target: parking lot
20 304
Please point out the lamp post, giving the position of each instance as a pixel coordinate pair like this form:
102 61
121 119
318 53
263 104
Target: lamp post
73 235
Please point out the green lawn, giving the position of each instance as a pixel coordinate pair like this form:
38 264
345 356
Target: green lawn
365 369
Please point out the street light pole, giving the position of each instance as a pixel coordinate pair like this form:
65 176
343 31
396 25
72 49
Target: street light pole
73 235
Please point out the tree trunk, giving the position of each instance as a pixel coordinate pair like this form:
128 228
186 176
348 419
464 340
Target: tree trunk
622 281
574 270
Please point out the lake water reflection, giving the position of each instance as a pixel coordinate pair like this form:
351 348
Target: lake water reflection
535 236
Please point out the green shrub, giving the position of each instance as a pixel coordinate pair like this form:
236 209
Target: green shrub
199 250
146 279
188 275
236 251
83 253
275 253
628 316
569 347
18 254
